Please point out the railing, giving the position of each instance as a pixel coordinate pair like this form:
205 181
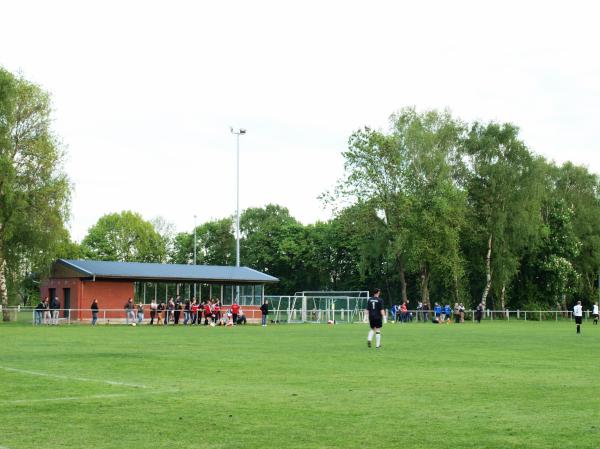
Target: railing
490 315
282 311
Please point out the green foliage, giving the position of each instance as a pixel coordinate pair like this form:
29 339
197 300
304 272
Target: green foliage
276 243
505 185
34 190
123 237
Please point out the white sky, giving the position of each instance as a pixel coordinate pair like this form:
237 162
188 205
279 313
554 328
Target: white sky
144 92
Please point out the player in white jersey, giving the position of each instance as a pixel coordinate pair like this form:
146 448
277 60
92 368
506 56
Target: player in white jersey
595 313
578 314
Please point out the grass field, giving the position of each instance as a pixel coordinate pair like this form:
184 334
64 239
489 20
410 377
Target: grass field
494 385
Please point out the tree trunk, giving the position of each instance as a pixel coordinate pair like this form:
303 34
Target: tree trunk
402 281
3 289
488 272
502 297
456 292
424 284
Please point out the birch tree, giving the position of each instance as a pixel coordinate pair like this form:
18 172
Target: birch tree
505 191
434 208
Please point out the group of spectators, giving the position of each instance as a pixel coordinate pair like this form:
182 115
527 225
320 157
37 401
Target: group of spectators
439 314
187 312
47 311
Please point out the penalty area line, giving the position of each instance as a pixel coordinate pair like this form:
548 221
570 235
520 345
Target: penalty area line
80 379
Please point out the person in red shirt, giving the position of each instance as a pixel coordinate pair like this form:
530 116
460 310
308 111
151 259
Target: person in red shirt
235 309
195 312
207 312
404 313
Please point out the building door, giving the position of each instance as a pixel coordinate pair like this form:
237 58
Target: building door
67 303
51 294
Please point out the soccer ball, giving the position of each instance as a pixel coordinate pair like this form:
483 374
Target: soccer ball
133 324
212 324
330 322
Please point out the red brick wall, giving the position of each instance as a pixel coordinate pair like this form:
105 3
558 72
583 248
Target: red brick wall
110 295
60 284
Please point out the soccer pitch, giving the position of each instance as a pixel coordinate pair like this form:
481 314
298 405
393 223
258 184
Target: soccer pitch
494 385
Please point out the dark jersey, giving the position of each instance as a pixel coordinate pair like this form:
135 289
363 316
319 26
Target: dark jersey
375 306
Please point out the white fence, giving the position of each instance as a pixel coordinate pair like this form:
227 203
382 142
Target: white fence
491 315
284 309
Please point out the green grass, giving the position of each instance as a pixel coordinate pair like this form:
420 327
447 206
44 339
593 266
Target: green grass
494 385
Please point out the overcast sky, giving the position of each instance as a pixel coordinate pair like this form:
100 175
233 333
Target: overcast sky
144 92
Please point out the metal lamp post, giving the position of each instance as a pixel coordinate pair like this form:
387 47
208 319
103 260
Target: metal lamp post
238 132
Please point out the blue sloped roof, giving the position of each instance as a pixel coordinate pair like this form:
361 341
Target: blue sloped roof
167 272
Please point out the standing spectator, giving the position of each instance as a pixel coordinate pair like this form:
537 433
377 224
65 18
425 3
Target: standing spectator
159 313
578 314
394 312
140 313
187 308
207 312
153 308
461 309
437 311
129 311
39 312
177 313
420 311
375 310
216 311
94 308
194 309
447 312
456 313
55 307
235 310
47 315
425 312
403 313
170 310
264 309
595 313
479 313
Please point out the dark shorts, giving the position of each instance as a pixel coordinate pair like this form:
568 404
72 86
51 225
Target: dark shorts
577 320
375 322
595 315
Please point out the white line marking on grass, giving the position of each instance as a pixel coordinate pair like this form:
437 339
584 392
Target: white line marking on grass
80 379
81 398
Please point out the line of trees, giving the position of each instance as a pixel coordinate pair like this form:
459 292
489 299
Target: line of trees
433 209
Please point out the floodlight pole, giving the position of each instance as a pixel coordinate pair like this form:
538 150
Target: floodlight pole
194 251
239 132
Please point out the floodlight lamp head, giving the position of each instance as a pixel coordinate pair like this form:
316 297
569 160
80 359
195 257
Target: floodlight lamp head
239 131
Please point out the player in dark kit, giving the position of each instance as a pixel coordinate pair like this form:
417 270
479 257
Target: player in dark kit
376 311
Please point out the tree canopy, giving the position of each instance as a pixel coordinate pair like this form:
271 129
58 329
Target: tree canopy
34 189
124 237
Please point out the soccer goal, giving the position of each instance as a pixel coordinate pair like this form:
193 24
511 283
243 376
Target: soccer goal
319 306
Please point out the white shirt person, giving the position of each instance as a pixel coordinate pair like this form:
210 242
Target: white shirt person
578 313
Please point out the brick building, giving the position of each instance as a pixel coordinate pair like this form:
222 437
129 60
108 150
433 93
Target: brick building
78 282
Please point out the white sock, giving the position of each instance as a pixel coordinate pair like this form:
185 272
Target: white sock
378 339
370 337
